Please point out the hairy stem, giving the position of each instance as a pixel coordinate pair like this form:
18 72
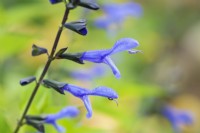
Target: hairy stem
48 63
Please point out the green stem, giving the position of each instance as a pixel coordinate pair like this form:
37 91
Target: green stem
48 63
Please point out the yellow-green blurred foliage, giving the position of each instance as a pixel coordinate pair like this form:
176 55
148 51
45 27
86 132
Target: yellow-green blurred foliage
169 36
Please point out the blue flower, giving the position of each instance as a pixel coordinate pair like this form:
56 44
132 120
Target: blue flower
83 94
103 56
88 74
177 118
68 112
115 14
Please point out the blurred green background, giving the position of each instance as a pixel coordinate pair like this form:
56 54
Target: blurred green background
168 70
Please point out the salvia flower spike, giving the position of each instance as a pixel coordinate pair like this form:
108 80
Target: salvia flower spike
95 56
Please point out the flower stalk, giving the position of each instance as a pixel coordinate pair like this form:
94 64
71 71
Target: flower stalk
47 65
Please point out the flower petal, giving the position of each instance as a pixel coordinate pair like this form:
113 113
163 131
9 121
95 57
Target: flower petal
177 117
131 9
102 22
185 118
59 128
115 70
88 74
104 92
87 105
124 44
83 31
76 90
95 56
51 118
123 10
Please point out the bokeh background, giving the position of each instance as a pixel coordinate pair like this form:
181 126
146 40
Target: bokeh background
167 73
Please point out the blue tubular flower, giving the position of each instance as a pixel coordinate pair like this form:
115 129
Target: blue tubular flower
102 56
115 14
83 94
55 1
177 118
68 112
88 74
104 92
123 10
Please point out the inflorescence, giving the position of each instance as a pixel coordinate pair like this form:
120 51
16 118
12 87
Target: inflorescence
95 56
